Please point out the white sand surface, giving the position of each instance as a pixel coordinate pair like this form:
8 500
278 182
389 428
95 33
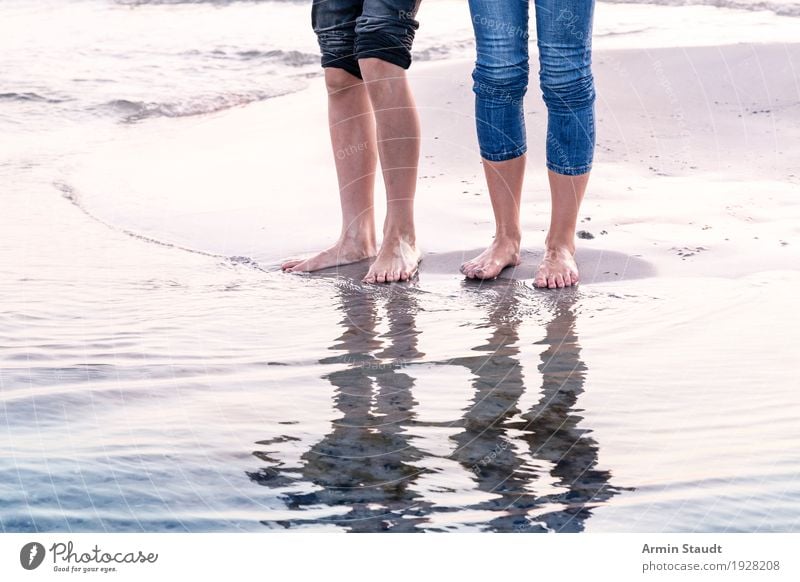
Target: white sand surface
696 170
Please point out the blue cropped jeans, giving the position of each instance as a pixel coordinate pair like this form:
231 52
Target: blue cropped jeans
564 40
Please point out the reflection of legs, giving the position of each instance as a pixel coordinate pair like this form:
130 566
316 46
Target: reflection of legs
494 427
500 83
398 146
564 30
485 447
364 467
365 463
554 433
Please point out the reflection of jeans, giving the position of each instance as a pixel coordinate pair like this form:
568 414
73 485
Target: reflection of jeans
564 38
348 30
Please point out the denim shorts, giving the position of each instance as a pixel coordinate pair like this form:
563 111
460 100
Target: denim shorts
348 30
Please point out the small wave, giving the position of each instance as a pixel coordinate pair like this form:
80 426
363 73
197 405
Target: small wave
29 96
439 52
290 58
132 111
71 194
779 7
433 53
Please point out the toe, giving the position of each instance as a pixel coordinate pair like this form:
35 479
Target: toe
288 265
381 277
484 270
559 280
493 270
551 281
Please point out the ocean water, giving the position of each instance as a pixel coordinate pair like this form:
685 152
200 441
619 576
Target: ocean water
151 386
783 7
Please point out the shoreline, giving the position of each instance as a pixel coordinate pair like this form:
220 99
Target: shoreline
705 154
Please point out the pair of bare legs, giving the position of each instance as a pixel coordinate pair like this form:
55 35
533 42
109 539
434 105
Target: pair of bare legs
558 267
370 119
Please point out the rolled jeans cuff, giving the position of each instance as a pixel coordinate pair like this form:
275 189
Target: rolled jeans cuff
504 156
569 170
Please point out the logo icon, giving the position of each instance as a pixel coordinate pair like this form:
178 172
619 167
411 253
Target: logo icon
31 555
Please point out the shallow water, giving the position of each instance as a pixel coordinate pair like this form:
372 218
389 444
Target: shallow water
146 387
149 388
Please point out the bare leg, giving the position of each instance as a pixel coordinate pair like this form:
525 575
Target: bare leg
558 268
504 180
353 139
398 146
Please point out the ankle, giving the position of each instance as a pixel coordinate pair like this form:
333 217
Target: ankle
360 235
399 230
509 238
561 242
406 235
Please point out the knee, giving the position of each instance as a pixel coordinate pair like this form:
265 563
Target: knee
567 89
500 83
375 69
339 81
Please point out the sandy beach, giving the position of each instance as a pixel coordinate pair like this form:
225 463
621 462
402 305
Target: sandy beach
697 174
160 373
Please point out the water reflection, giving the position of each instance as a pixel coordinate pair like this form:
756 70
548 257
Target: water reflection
534 469
364 464
538 464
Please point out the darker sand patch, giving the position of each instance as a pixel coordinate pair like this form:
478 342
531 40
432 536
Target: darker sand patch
596 266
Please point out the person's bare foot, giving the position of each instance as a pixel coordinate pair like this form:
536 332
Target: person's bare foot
345 251
397 260
558 268
502 253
